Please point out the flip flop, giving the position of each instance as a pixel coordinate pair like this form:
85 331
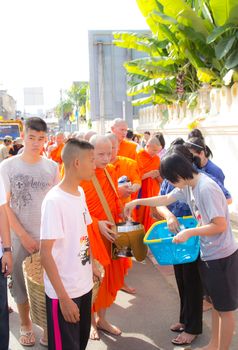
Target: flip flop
43 342
186 342
177 328
27 338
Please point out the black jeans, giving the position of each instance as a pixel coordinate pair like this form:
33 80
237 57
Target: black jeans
63 335
4 314
191 296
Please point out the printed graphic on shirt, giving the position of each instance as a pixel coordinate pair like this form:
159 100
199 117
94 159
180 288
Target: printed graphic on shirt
22 187
84 253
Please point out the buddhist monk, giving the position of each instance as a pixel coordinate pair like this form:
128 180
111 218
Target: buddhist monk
54 151
148 162
116 269
125 167
89 134
129 168
126 148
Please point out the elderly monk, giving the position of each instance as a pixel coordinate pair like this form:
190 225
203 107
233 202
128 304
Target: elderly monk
54 151
129 168
89 134
125 167
126 148
149 163
116 269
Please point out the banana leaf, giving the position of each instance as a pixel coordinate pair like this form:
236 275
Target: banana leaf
232 60
224 46
219 31
224 11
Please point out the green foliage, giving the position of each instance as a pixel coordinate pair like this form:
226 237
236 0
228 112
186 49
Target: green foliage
195 38
74 100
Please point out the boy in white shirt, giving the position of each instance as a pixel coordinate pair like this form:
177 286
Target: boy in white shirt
5 269
65 252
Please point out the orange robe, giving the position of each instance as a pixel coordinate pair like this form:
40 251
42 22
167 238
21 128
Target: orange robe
115 270
150 187
127 149
55 154
128 167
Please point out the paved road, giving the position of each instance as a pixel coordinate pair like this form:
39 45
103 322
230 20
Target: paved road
144 318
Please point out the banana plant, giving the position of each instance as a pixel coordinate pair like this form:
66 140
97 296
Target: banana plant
193 39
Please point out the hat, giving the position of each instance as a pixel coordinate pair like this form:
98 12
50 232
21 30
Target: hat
7 138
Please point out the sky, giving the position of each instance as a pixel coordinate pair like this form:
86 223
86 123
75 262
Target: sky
45 42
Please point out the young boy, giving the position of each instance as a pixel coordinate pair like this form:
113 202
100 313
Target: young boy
65 252
27 178
219 250
5 270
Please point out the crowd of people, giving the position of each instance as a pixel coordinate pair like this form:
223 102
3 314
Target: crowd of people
63 196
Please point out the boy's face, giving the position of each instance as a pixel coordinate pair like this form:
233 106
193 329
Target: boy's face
86 165
34 141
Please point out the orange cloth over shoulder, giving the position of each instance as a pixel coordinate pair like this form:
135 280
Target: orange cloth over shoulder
115 270
128 167
55 154
127 149
150 187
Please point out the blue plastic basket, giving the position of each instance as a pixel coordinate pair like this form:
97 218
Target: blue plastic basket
159 240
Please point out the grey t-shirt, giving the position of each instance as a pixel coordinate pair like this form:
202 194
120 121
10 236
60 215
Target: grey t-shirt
28 185
207 201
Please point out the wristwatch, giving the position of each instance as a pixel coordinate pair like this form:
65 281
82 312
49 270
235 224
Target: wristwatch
6 249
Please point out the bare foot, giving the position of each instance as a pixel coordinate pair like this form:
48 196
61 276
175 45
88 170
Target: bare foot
177 327
128 289
94 335
105 326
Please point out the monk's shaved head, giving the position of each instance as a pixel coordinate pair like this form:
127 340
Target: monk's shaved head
153 146
89 134
119 128
112 137
153 141
95 140
74 149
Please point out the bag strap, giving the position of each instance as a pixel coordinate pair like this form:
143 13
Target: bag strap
102 198
111 182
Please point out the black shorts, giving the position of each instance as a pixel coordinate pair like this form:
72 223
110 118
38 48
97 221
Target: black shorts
63 335
220 282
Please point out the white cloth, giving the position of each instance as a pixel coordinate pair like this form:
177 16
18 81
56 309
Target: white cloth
3 200
64 219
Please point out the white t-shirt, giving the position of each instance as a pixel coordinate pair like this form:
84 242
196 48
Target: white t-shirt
3 200
64 219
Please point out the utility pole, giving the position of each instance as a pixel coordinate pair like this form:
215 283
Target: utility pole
101 88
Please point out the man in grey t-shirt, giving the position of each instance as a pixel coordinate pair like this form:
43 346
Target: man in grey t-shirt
27 179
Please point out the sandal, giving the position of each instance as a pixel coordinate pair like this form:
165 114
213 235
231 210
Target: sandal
177 327
44 342
27 338
182 339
